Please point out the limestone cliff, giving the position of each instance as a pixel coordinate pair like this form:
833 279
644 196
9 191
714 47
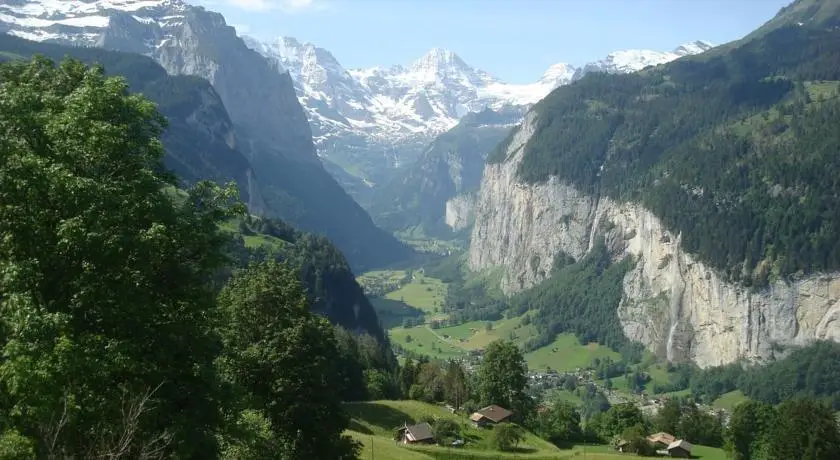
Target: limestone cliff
460 211
675 305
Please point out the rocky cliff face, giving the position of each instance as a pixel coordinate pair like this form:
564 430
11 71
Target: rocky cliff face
676 306
460 211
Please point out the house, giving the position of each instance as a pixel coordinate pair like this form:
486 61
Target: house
420 433
661 440
680 448
621 445
491 414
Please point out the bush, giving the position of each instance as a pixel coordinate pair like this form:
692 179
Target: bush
506 436
445 431
14 446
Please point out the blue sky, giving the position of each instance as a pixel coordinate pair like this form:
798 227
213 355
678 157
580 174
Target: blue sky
515 40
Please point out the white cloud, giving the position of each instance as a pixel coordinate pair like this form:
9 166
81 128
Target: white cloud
241 29
288 6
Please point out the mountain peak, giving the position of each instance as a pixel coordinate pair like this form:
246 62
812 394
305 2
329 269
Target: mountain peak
695 47
437 58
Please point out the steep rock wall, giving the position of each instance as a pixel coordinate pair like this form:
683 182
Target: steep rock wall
675 305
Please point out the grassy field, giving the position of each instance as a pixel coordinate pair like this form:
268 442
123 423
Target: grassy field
422 292
728 401
424 341
373 424
566 353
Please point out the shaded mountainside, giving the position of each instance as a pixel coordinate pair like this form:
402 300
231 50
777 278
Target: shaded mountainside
451 165
718 175
199 141
330 282
270 126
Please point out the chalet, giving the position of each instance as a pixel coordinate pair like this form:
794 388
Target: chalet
492 414
680 448
661 440
622 445
414 434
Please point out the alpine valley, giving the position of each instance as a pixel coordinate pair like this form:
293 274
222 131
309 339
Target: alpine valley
217 247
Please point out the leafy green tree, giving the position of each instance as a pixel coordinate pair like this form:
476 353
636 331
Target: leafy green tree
636 437
456 389
283 357
749 429
379 384
699 427
445 430
429 385
107 299
805 429
620 418
506 436
668 417
559 423
503 377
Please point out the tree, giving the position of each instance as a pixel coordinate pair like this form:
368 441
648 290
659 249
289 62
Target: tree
407 375
455 389
506 436
428 384
283 357
559 423
620 418
749 429
107 302
699 427
668 417
806 429
503 377
445 430
638 443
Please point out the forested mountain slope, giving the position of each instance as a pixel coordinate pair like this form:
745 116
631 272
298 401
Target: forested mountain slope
718 173
324 271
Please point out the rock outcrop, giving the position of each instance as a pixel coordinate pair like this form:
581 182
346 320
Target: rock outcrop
460 211
674 304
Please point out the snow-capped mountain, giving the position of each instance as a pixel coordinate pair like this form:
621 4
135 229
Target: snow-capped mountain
628 61
384 116
270 127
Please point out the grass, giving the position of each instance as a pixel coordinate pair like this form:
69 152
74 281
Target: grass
822 89
728 401
567 354
424 341
373 424
422 292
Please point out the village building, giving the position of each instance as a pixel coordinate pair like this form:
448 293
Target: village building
661 440
414 434
490 415
680 449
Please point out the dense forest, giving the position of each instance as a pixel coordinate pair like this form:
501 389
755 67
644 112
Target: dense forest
735 149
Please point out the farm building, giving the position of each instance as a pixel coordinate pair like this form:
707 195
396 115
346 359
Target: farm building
680 448
661 440
490 415
420 433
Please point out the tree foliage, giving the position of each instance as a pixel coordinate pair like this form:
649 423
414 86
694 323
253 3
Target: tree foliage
282 355
106 282
503 378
